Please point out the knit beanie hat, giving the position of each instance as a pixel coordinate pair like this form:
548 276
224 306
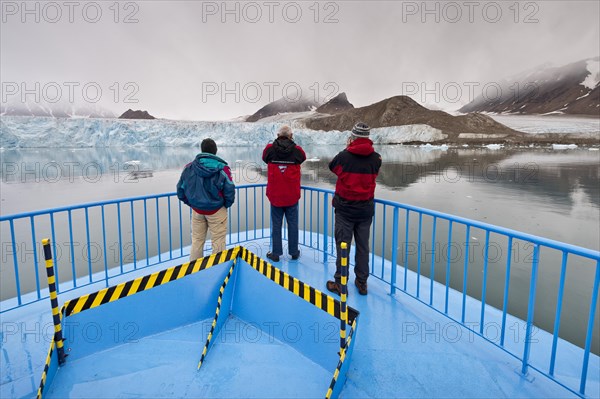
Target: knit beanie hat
361 130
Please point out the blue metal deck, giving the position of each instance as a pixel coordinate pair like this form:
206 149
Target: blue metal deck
403 349
244 362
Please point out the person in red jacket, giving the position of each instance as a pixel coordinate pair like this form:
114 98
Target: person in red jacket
357 168
284 158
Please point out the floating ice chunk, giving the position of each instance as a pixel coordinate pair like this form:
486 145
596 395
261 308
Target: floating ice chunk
564 146
429 147
494 146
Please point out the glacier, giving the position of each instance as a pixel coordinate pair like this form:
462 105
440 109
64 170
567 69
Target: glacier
36 132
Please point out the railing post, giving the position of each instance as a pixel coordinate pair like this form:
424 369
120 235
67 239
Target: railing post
121 236
325 225
35 258
133 246
419 235
58 339
54 249
530 307
559 301
432 267
394 251
170 228
15 260
89 244
406 248
506 290
105 253
448 265
484 282
590 330
158 229
146 232
343 295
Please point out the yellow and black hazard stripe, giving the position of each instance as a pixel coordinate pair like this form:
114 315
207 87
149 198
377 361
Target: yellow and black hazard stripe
58 338
292 284
338 369
147 282
217 312
344 294
45 372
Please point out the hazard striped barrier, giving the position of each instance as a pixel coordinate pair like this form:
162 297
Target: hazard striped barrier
45 372
58 338
147 282
333 307
297 287
338 369
217 312
343 295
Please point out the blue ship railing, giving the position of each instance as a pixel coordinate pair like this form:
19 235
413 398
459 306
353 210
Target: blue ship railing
88 228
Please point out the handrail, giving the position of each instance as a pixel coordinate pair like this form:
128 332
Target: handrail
577 250
83 206
317 221
574 249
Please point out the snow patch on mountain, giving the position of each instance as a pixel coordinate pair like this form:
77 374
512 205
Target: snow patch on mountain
591 81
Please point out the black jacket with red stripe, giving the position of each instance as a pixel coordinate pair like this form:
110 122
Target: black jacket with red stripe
357 168
283 158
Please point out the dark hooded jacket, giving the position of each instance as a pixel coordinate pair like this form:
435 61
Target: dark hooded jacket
283 158
357 168
206 184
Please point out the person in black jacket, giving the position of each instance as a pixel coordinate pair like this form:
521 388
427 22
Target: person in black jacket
207 187
357 168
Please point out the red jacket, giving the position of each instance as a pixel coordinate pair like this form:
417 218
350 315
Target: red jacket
357 168
283 158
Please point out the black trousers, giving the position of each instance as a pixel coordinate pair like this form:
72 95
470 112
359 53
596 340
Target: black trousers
345 229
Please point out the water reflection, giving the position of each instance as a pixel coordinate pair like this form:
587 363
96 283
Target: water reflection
487 185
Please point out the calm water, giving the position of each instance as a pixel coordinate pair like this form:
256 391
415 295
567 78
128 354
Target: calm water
554 194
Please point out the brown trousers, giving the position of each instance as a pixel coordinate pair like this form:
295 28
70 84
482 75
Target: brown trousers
201 224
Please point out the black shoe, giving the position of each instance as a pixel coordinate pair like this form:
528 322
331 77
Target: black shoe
334 287
297 256
362 287
274 258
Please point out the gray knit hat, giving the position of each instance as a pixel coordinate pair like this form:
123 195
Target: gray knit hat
361 130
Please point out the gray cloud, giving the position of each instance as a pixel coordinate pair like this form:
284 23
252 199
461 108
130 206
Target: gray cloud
369 49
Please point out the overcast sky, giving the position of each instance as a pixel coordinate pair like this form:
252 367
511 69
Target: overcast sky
177 58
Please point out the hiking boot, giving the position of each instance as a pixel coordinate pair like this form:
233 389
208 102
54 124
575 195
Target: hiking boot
362 287
334 287
297 256
271 256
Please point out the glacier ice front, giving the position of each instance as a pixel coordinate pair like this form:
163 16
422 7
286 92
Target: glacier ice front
24 132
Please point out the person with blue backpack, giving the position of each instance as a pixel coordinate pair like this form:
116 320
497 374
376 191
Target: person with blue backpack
207 187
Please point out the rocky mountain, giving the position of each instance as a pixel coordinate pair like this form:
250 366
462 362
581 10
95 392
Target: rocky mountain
137 114
336 105
284 105
568 89
402 110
